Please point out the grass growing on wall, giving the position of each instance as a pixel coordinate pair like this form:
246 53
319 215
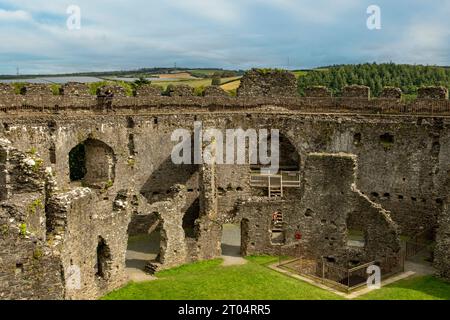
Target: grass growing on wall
93 87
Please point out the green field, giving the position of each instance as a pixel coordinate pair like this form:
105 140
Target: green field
195 83
209 280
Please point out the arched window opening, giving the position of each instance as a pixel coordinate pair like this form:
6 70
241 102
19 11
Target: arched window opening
93 163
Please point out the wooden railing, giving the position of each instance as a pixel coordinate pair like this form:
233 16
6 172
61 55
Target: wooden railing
285 179
275 183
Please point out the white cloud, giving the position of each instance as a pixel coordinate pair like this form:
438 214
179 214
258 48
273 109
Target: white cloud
237 33
316 11
14 15
422 43
216 10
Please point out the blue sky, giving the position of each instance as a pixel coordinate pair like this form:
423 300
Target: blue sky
129 34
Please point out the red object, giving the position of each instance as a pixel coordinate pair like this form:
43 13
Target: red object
298 235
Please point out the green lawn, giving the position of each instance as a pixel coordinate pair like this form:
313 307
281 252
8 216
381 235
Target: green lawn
208 280
416 288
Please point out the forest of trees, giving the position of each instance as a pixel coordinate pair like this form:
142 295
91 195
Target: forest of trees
377 76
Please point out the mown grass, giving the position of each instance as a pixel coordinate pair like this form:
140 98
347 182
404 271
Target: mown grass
209 280
415 288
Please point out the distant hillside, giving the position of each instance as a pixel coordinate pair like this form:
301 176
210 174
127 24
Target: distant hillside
143 72
376 76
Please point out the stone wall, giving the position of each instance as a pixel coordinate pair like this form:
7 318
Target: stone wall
433 93
356 91
86 222
391 93
148 90
6 89
181 90
111 91
318 91
402 174
442 252
319 215
29 267
214 91
173 247
75 89
271 83
37 89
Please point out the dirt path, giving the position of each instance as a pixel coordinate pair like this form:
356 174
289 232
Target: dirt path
141 249
231 245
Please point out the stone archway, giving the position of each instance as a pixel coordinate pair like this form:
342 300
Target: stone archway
93 163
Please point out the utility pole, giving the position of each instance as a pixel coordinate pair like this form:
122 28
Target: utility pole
17 70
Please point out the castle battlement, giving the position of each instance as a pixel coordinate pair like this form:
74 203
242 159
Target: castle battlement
47 103
258 89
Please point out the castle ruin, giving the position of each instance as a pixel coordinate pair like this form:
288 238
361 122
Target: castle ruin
79 173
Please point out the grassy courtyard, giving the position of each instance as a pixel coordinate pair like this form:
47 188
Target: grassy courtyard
415 288
209 280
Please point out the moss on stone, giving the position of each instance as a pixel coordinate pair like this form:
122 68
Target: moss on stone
36 204
23 229
37 254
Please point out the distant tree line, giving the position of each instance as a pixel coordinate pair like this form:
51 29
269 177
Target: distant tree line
376 76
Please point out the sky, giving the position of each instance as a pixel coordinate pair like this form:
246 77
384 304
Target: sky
234 34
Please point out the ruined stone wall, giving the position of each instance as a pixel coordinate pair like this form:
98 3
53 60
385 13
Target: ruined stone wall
442 252
88 220
271 83
402 165
329 195
415 159
29 266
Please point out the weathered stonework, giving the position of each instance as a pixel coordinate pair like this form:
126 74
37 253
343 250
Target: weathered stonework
148 90
380 166
391 93
440 93
75 89
6 89
38 89
181 90
442 252
111 91
29 267
214 91
329 195
356 91
268 83
173 248
317 92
